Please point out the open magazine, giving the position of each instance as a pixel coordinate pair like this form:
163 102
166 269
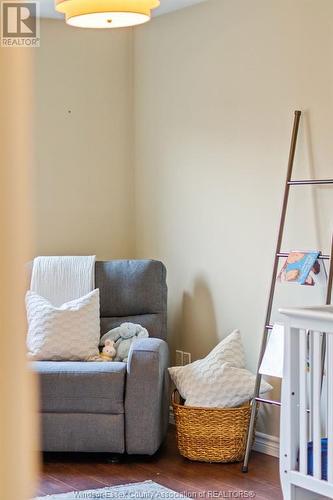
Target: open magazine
303 268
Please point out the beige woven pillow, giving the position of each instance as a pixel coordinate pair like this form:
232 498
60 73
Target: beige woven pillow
68 332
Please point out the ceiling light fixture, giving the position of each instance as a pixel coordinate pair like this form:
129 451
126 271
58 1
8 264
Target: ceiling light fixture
106 13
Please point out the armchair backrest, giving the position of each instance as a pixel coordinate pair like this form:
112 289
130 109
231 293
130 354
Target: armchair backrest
135 291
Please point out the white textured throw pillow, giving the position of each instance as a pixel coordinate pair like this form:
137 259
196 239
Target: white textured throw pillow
68 332
219 380
226 387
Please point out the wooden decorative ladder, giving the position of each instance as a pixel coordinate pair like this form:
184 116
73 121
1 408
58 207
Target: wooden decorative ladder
278 255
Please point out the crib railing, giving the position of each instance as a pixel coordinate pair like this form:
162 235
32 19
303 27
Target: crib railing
306 428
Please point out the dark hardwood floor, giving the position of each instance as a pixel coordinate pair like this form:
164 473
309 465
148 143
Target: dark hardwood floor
63 473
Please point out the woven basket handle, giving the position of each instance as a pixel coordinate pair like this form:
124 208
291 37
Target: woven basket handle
176 398
173 396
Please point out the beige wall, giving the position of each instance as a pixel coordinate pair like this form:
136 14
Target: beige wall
84 182
215 90
215 87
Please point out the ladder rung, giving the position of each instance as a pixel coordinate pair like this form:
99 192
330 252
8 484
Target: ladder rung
285 254
268 401
310 182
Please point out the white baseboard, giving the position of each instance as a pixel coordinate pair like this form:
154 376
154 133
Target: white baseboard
264 443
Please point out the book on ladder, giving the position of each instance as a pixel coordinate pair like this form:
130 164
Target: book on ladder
257 400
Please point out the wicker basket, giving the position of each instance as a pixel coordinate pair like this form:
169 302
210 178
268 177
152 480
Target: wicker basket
211 434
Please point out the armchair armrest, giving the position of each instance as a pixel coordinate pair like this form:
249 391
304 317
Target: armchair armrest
147 396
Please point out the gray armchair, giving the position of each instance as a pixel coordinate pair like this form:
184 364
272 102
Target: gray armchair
113 407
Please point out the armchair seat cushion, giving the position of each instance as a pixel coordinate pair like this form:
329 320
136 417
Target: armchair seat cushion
81 387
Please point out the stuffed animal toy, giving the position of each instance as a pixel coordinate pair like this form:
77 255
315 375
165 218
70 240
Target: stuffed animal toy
123 337
107 354
108 351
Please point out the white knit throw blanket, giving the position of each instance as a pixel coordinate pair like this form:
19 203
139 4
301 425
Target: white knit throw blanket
62 279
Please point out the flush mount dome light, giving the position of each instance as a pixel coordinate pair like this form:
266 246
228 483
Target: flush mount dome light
106 13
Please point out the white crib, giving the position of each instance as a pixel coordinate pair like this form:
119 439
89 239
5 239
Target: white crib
307 404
